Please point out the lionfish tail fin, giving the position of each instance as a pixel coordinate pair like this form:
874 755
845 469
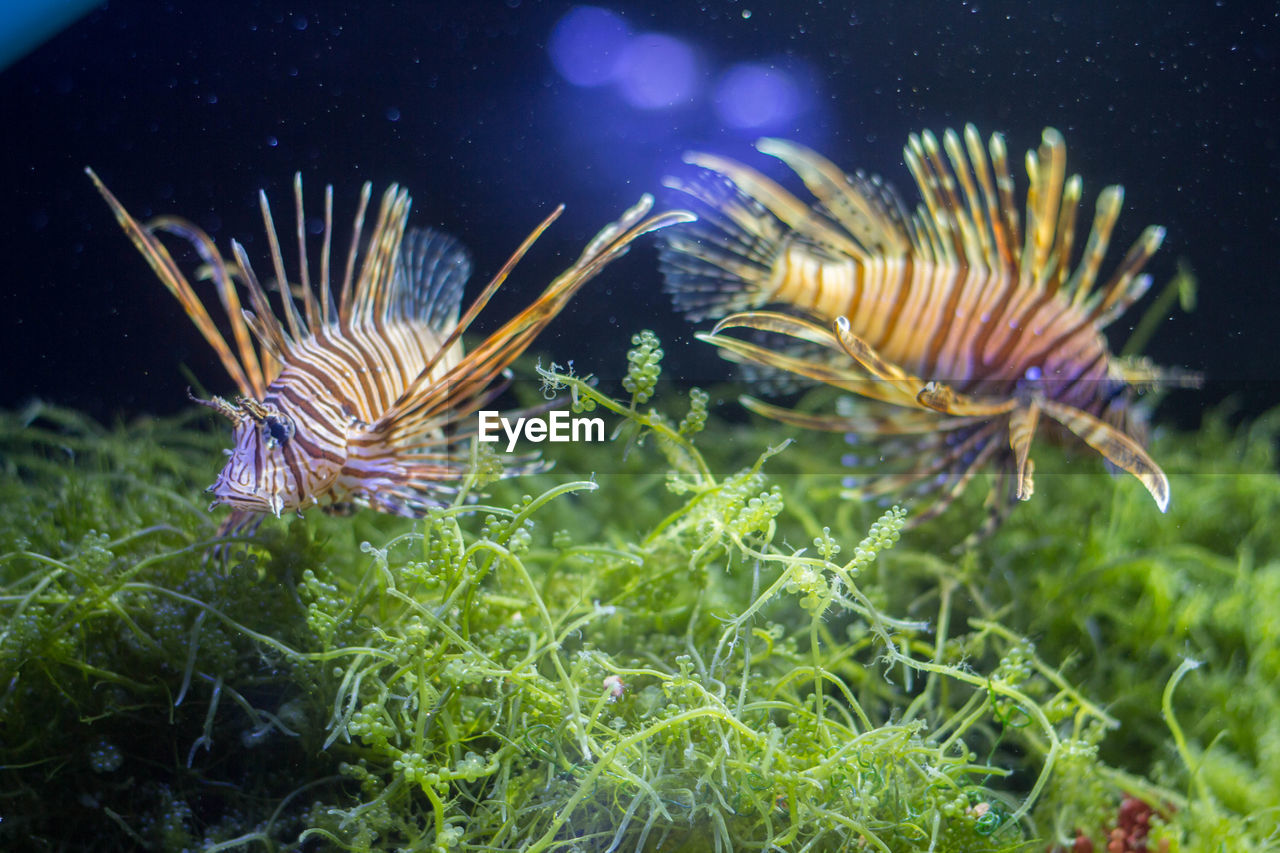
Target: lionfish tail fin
753 237
430 279
723 263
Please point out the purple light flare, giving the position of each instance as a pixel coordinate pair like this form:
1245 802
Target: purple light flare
751 96
657 71
587 44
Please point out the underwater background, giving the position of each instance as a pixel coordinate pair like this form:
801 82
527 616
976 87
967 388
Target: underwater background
191 108
631 651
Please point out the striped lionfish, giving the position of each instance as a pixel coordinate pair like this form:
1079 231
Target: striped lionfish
361 401
961 330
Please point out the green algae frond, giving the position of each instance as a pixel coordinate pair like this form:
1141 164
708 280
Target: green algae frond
679 640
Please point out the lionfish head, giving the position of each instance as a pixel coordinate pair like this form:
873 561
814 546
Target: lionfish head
256 477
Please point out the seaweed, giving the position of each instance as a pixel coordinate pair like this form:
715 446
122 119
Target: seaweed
679 640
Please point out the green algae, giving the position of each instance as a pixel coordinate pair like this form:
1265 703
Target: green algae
678 640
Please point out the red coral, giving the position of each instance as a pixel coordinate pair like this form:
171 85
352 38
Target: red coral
1133 823
1129 835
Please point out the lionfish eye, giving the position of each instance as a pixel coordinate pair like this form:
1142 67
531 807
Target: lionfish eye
279 431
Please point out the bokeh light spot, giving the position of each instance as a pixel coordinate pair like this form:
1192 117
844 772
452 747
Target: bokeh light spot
657 71
757 96
586 45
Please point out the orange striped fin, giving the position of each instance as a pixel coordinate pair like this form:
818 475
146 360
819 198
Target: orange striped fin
412 392
930 394
976 197
1104 221
466 387
266 326
1126 287
1118 449
346 292
846 378
1022 428
297 328
870 375
780 203
936 219
865 218
901 423
1046 171
309 301
1061 267
260 368
161 262
373 291
854 377
1002 254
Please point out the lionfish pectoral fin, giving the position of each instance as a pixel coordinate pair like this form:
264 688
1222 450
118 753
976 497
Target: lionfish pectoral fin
782 324
984 446
747 352
791 417
404 478
238 526
239 523
905 389
724 262
848 377
1142 373
1022 428
1116 447
404 501
1000 498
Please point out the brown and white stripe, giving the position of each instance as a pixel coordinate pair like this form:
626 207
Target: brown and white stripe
954 309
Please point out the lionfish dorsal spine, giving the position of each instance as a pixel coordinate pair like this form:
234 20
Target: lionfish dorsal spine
261 319
294 319
310 303
346 292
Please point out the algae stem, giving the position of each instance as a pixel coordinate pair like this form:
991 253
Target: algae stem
1166 711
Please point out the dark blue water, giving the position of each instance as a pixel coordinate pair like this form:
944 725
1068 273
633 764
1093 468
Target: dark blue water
190 108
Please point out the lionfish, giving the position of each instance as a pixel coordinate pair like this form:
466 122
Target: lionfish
961 329
362 400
